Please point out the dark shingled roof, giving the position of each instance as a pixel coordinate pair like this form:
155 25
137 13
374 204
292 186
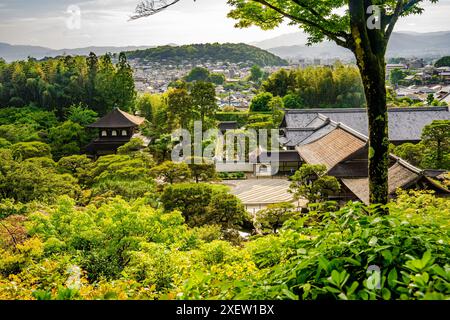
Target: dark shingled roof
118 119
400 175
405 124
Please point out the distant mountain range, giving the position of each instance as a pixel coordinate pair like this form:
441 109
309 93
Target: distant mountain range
171 53
21 52
402 44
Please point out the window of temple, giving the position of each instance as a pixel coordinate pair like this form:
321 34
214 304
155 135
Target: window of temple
114 133
124 133
104 133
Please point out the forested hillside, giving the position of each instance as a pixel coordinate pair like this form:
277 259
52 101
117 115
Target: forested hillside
56 84
228 52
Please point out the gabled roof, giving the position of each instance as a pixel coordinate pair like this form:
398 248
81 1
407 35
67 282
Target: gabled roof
405 124
118 119
333 147
400 175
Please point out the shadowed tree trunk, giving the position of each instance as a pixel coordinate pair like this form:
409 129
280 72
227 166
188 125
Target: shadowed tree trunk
369 50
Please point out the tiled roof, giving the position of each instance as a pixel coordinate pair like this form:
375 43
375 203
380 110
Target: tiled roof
118 119
331 148
400 175
405 124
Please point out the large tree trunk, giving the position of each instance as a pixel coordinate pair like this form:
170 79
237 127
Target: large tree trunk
369 50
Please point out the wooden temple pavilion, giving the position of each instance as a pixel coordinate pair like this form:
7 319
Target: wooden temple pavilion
114 130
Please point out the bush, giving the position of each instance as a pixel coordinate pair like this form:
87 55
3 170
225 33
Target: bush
26 150
203 204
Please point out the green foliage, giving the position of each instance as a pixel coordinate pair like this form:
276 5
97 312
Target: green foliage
274 216
59 83
204 99
202 169
79 166
436 136
331 259
255 73
144 104
26 150
232 175
197 74
211 52
133 145
312 183
397 75
82 116
324 87
172 171
260 103
217 78
67 139
413 153
33 179
443 62
203 204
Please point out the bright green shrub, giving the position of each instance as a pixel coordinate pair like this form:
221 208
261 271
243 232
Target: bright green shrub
26 150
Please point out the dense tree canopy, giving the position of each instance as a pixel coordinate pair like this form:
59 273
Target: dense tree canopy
318 87
56 84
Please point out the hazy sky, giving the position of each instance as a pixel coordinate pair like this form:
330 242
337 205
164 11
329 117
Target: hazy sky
105 22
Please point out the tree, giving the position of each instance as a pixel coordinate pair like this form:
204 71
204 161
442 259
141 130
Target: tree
413 153
217 78
27 150
67 139
204 99
82 116
280 83
436 136
313 183
79 166
131 146
260 103
124 90
255 73
172 172
430 99
365 28
144 106
202 169
160 148
204 204
197 74
274 216
397 75
180 108
443 62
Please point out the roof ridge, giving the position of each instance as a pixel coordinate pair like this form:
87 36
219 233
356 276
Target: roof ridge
349 110
406 164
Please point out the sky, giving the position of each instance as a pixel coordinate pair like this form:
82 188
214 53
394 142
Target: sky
49 23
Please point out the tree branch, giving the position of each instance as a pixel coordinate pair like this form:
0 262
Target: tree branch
393 20
330 34
150 7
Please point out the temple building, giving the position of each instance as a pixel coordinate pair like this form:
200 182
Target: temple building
344 152
114 130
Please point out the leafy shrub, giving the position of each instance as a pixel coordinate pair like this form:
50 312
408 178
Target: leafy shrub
26 150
